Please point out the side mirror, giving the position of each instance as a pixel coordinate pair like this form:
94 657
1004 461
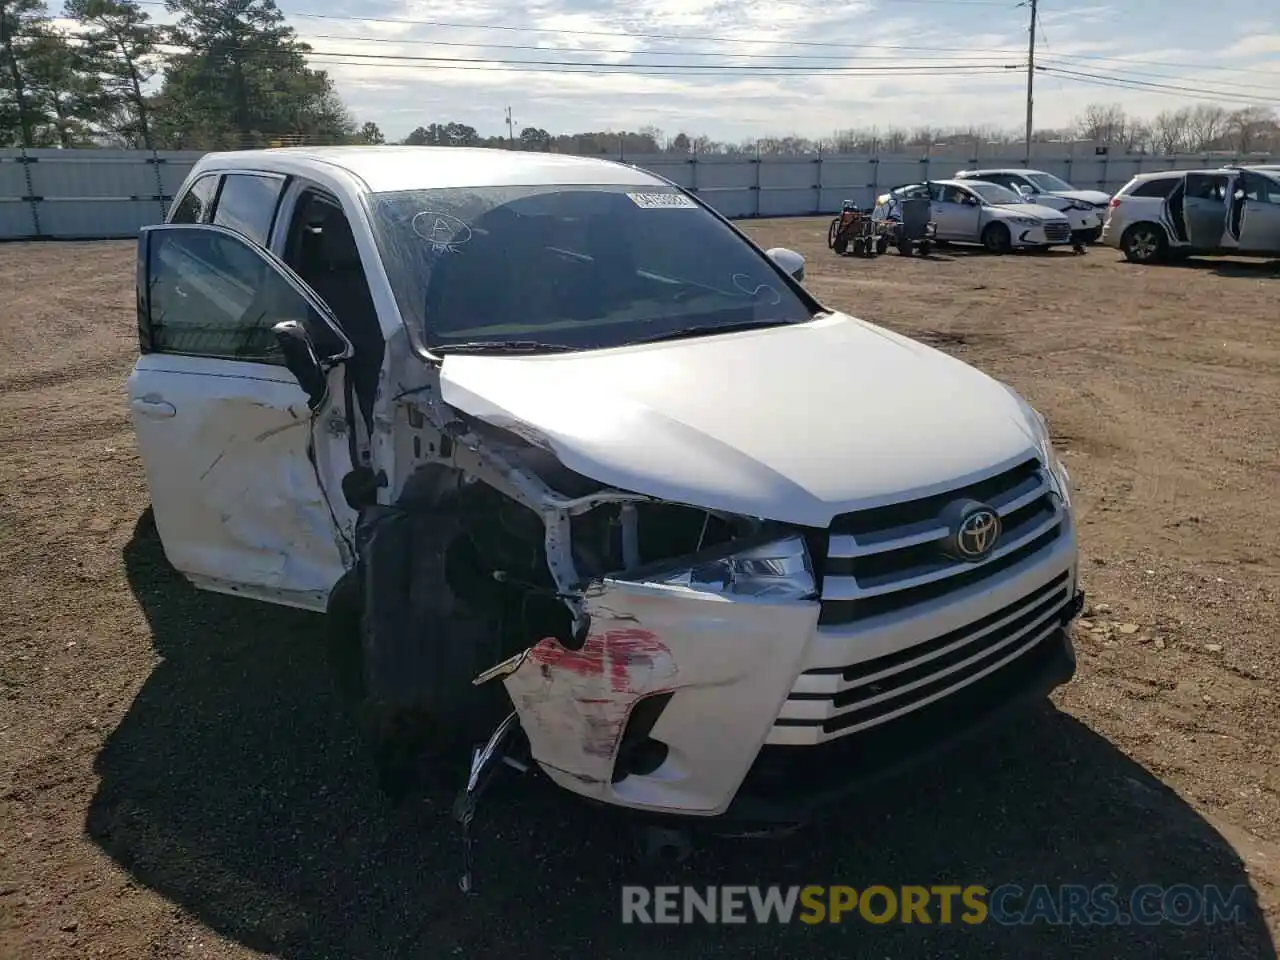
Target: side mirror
301 359
788 260
1026 189
1239 194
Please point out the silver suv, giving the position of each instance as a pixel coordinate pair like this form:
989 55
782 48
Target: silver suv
1181 213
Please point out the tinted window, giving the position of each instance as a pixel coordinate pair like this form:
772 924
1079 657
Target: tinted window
1212 186
1047 181
1260 188
994 193
576 266
1003 179
1155 188
247 204
196 201
212 295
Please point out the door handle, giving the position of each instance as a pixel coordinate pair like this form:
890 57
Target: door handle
154 407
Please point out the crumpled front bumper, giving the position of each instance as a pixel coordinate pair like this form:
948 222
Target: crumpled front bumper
676 702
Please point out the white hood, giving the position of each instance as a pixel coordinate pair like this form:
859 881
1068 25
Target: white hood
1096 197
1033 210
795 423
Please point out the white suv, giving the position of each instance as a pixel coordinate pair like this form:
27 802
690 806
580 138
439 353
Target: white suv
1085 209
567 446
1180 213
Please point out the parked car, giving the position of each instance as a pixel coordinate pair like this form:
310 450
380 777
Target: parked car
1086 209
1180 213
973 211
572 450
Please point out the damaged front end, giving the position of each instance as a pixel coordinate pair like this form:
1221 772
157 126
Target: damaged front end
646 646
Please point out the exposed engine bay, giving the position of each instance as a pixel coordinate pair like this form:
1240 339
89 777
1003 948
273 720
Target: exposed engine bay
492 564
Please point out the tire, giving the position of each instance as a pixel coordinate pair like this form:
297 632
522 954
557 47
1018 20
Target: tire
905 248
882 245
924 248
832 232
840 246
1144 243
859 247
996 238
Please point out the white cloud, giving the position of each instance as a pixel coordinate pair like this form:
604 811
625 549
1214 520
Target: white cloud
853 63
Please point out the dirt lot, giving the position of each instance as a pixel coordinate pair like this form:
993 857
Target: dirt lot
177 779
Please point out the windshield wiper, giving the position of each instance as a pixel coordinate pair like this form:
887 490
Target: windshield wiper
501 346
710 329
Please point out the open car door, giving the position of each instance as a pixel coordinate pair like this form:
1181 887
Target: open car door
1205 210
1258 201
240 363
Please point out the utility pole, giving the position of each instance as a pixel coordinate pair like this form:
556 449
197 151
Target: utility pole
511 136
1031 79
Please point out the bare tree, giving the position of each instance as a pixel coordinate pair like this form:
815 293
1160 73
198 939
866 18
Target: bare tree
1206 125
1103 122
1251 127
1170 131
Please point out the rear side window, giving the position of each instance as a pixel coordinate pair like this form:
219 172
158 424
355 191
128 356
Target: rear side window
1161 187
247 204
195 203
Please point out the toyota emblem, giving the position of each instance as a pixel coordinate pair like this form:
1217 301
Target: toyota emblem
973 529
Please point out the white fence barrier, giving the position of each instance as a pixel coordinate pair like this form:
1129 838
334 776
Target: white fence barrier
103 194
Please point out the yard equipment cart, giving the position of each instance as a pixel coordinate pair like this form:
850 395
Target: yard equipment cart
852 229
907 227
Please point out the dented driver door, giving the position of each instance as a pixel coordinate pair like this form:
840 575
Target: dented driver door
225 430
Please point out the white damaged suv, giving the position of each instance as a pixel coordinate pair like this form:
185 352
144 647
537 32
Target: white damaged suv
584 457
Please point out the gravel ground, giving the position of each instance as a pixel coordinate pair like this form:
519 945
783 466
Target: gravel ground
178 778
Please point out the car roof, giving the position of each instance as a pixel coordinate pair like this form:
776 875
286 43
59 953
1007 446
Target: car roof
1180 173
386 168
986 170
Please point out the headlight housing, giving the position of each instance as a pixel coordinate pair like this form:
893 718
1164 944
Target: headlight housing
1059 479
1026 221
779 570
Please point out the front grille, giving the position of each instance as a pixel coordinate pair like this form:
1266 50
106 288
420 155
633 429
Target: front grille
1057 232
890 558
871 692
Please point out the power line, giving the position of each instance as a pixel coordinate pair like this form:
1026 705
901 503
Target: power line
610 70
1234 85
607 51
1143 85
344 18
827 44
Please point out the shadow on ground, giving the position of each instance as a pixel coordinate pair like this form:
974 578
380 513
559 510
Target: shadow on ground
1254 269
236 787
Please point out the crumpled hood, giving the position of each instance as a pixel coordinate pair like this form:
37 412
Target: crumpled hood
1034 210
795 423
1096 197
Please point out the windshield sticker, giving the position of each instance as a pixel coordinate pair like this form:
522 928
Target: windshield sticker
662 201
753 289
445 233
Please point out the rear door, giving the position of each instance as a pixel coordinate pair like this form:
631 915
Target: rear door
1204 207
956 219
1259 225
224 429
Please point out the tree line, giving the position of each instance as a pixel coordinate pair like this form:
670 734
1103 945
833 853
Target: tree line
233 73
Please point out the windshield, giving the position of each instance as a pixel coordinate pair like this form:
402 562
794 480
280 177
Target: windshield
563 266
993 192
1047 181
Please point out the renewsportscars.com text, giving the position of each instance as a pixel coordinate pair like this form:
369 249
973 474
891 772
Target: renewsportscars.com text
1007 905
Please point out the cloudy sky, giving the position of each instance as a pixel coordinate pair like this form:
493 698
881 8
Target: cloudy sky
735 69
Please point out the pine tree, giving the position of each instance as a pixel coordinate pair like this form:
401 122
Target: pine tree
120 42
242 80
20 21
